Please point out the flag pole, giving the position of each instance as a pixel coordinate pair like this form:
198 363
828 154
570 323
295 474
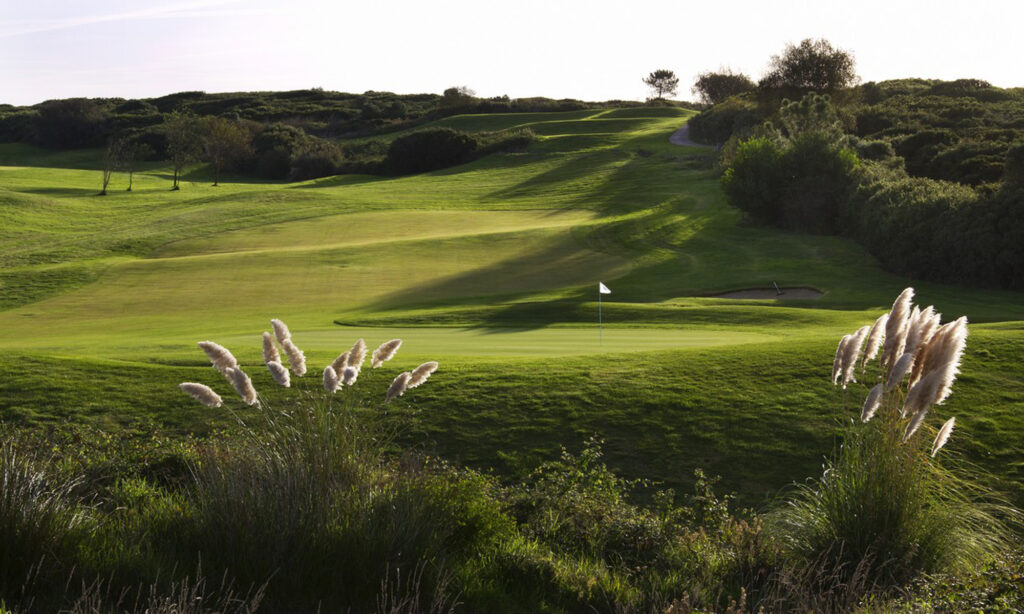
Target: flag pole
600 332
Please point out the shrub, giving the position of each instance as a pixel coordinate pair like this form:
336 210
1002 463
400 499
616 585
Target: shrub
318 159
736 116
817 178
428 150
754 183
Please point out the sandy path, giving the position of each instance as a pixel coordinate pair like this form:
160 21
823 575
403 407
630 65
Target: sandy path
682 137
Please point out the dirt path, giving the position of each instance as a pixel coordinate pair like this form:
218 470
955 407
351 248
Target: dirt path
681 137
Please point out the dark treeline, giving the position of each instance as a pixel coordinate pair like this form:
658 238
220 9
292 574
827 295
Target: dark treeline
928 175
292 135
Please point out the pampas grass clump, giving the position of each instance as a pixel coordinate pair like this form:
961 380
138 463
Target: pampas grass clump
883 511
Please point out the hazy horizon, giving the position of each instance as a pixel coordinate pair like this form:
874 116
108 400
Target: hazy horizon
585 50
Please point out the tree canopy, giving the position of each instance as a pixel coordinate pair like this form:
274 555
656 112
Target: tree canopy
714 87
811 65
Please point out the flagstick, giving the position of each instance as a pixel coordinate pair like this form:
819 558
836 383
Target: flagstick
600 339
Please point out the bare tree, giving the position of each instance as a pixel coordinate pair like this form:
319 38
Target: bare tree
111 160
132 153
184 141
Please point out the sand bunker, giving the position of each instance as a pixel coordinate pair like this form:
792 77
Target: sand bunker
771 293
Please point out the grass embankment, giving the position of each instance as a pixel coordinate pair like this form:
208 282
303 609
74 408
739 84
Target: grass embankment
489 268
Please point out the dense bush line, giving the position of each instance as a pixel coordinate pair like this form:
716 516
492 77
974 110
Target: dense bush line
90 122
822 180
951 130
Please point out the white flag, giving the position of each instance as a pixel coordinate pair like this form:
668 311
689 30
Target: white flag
603 289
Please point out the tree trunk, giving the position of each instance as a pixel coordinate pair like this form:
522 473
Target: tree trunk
175 186
131 174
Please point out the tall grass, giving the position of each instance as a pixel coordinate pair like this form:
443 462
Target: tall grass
41 519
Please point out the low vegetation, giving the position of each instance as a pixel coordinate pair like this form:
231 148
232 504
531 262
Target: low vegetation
308 503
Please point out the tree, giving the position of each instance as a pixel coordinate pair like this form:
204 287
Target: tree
811 65
714 87
458 96
133 152
663 82
111 160
184 141
225 143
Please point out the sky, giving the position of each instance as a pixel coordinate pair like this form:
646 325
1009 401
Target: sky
590 50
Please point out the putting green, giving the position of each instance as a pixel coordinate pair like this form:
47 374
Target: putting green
431 343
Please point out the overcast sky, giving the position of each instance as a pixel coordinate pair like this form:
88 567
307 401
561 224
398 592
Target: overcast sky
593 49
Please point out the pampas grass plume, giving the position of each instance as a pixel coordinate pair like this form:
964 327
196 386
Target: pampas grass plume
896 328
922 328
296 359
421 373
202 393
875 337
837 364
851 353
946 345
349 376
281 375
915 423
920 395
270 353
943 436
341 362
219 355
242 384
398 386
281 331
357 355
385 352
871 403
899 370
330 379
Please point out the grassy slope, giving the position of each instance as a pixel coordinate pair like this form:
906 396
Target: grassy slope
492 265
